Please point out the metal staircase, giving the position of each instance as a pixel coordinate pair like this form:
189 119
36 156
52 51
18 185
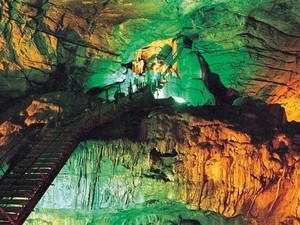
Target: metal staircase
35 168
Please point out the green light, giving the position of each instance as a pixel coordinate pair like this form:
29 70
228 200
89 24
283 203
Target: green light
179 99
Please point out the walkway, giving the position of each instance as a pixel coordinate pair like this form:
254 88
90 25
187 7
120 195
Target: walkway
37 165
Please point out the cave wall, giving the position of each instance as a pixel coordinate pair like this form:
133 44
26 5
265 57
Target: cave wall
228 170
112 182
252 51
73 45
88 38
252 47
210 164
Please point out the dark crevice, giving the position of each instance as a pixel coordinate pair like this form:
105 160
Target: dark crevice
252 20
213 83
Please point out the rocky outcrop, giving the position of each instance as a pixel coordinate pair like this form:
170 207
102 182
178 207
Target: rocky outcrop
255 55
7 130
21 123
41 39
73 45
230 171
228 165
206 158
116 186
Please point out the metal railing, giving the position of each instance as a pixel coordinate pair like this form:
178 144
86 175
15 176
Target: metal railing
86 122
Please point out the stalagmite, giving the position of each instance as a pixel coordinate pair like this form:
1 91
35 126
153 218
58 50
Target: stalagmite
238 154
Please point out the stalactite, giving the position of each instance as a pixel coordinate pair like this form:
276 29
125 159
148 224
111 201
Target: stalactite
229 175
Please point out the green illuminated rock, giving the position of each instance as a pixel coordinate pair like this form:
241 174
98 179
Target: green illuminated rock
112 183
251 46
188 164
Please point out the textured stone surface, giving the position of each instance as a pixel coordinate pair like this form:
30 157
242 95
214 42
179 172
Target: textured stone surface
7 129
23 117
250 46
67 45
208 159
116 186
228 171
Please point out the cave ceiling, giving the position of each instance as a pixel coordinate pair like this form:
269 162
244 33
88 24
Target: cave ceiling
252 46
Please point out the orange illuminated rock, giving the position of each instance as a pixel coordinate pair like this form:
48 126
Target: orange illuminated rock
223 169
288 96
7 129
255 55
41 112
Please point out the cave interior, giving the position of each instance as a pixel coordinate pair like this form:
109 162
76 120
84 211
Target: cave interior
147 112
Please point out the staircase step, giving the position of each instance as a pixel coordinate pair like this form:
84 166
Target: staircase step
59 146
49 141
13 209
56 142
31 170
66 135
53 145
65 141
35 166
24 176
52 133
44 154
45 159
12 215
21 187
15 181
39 161
46 143
13 201
17 193
4 220
41 145
59 149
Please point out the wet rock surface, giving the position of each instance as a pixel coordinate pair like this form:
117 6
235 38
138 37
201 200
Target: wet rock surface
67 45
200 157
231 160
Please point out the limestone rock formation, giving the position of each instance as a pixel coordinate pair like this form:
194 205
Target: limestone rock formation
253 47
245 53
231 171
6 130
204 158
26 117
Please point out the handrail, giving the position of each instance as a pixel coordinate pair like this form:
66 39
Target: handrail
7 216
25 134
86 122
21 138
43 177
